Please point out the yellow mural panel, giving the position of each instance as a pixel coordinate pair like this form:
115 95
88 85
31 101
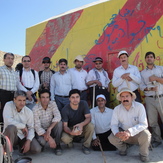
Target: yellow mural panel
88 26
33 34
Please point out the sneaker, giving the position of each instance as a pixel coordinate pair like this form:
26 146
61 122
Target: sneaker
58 150
85 150
70 145
156 144
144 158
123 153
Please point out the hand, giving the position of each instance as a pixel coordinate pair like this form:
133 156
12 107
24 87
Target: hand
25 131
77 130
29 95
152 78
95 142
26 146
98 83
123 135
125 76
52 142
129 79
47 134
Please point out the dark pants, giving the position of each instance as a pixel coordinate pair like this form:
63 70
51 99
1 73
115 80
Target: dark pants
5 96
83 95
138 97
97 92
106 145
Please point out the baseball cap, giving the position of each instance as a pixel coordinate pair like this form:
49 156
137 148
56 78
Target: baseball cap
122 52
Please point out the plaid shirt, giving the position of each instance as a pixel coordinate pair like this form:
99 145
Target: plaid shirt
44 118
8 79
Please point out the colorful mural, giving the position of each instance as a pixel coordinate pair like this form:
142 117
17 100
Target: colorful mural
100 30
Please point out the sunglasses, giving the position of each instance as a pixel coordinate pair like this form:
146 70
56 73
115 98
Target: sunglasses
98 63
26 61
46 62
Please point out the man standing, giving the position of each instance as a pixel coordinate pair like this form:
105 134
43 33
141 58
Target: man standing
8 81
76 121
19 124
98 77
48 125
79 75
126 75
29 81
60 85
129 125
152 85
46 74
101 118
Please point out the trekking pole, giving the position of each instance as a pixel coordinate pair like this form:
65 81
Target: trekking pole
102 152
93 101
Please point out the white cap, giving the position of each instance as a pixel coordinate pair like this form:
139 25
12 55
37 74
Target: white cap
100 96
122 52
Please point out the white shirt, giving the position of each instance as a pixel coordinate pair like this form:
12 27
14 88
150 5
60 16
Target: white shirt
21 119
92 76
60 84
134 119
145 74
78 79
101 121
28 80
117 81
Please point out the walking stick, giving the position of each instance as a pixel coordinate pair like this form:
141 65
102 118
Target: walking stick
93 101
102 152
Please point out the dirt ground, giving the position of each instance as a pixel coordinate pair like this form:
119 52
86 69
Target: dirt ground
75 155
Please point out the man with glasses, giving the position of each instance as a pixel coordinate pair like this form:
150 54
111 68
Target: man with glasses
98 78
7 82
29 81
46 74
101 118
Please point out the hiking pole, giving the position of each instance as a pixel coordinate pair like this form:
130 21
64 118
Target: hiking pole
93 101
102 152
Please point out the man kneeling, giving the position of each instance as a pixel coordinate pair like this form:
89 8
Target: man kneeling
19 124
76 119
129 125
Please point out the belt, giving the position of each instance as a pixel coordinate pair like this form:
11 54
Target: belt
83 91
2 90
62 96
100 87
155 96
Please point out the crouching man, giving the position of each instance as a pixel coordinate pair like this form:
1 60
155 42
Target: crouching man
129 125
47 122
19 124
76 119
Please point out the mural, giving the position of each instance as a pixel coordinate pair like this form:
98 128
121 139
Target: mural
100 30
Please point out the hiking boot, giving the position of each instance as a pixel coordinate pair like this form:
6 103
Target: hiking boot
85 150
144 158
156 144
58 150
70 145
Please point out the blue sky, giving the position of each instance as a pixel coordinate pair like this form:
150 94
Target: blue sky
17 15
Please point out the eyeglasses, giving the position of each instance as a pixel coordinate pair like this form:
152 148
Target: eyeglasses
98 63
26 61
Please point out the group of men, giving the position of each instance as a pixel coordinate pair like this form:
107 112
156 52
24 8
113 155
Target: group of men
63 97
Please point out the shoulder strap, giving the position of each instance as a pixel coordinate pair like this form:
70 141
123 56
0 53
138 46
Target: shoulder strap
33 72
52 71
39 73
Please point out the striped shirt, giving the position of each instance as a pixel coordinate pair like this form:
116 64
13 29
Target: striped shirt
8 79
44 118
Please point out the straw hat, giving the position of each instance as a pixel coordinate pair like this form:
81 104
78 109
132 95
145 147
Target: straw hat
125 90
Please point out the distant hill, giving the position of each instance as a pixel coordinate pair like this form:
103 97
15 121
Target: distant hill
16 60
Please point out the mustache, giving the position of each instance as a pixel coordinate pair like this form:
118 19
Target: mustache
125 101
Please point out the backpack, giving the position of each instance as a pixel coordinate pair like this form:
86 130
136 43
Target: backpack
40 73
21 72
